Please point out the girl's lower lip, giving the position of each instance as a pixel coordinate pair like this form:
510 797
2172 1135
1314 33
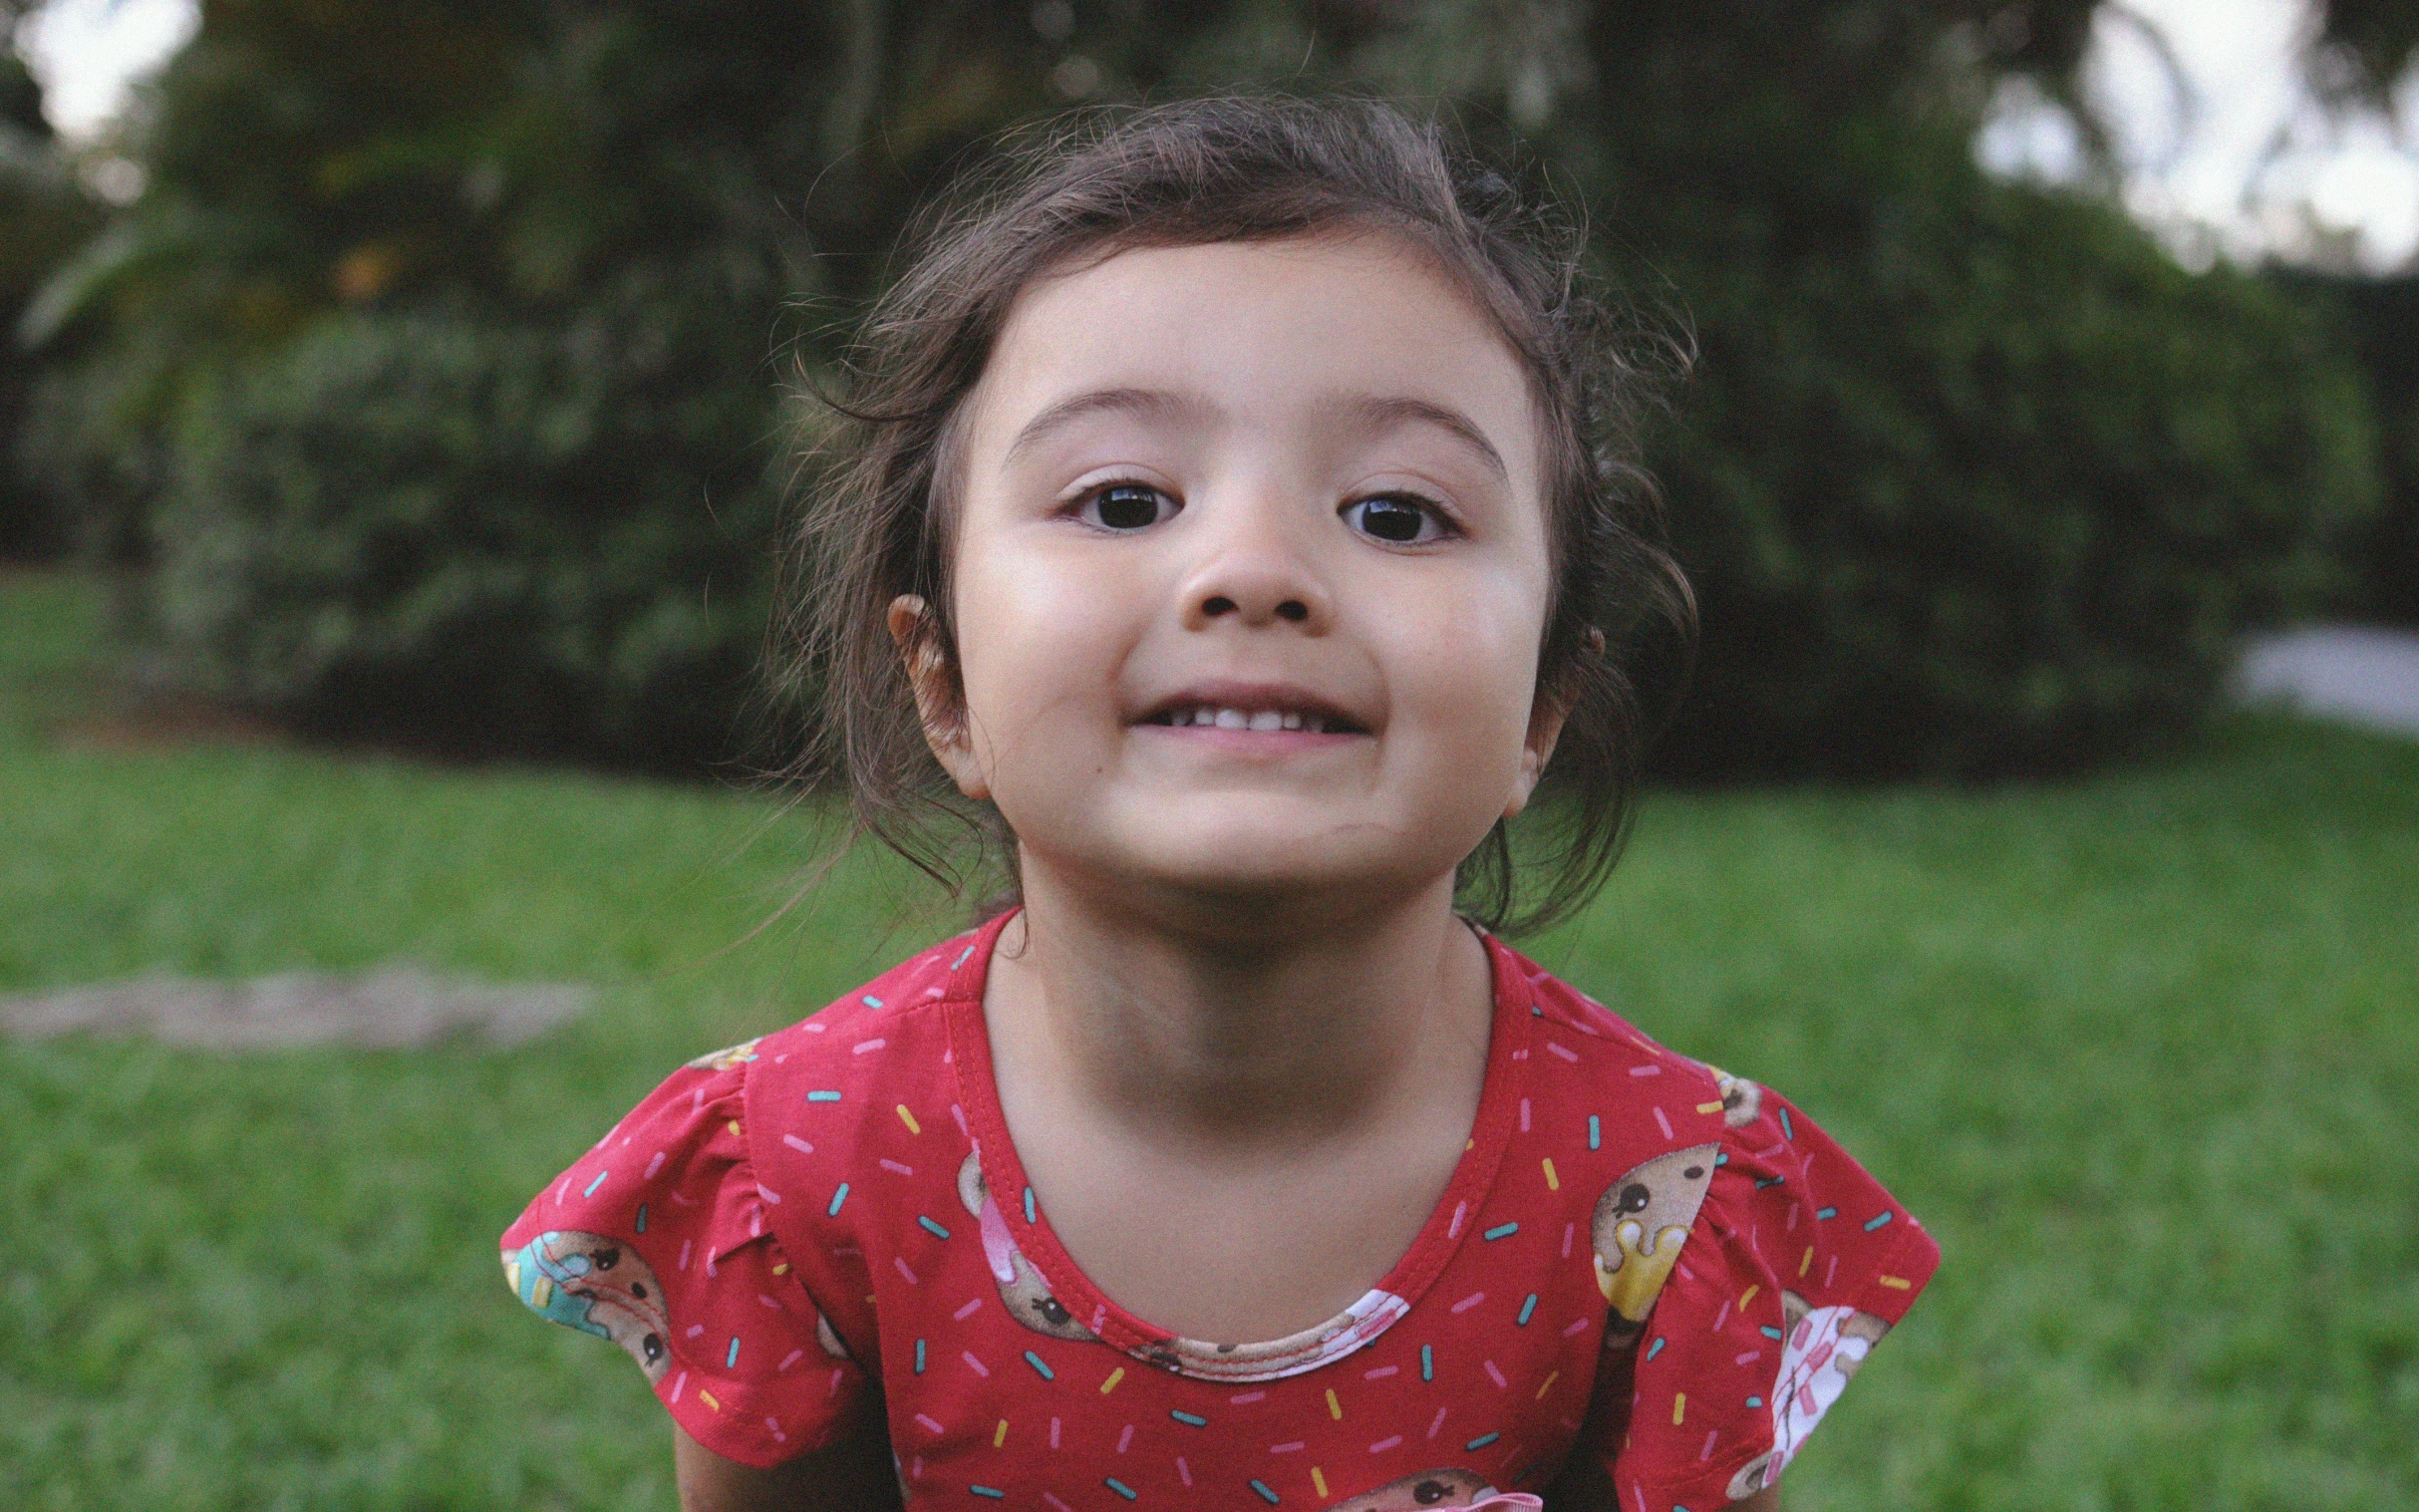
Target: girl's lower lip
1253 742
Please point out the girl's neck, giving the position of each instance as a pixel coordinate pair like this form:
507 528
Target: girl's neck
1260 1027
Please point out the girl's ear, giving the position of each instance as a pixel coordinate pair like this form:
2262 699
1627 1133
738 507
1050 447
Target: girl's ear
938 702
1546 718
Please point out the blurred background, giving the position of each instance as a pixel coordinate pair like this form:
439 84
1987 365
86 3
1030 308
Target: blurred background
396 405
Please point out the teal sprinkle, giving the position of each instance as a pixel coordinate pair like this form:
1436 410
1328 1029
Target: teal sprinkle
1266 1494
1755 1402
1038 1363
919 1356
1535 1012
1765 1181
1189 1420
1877 1221
932 1228
1120 1487
1656 1347
1029 1204
1501 1231
1596 1133
988 1491
1786 1131
1722 1157
1526 1309
641 1225
732 1360
1427 1363
1481 1441
962 955
870 1001
1826 1212
1770 1332
823 1096
593 1185
837 1198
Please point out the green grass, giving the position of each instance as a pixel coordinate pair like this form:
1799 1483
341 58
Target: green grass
2142 1051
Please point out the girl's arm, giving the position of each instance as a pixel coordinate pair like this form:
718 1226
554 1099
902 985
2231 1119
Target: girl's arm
853 1475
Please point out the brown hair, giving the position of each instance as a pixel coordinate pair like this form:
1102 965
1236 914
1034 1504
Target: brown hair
1230 169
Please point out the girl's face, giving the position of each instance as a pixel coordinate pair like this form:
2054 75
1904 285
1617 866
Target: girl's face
1251 575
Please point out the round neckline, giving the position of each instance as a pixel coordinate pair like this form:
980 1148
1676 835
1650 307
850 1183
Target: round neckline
1391 1297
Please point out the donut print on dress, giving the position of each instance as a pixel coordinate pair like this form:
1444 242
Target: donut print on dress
833 1215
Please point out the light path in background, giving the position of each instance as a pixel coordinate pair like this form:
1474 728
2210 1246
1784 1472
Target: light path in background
2362 676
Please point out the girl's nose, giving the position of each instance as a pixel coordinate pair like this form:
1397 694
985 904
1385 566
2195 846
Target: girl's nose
1257 586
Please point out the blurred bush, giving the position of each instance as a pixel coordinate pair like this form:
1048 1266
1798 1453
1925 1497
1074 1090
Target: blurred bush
46 215
2377 320
431 371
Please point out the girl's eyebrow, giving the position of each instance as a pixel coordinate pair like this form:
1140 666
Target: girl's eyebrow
1142 404
1374 412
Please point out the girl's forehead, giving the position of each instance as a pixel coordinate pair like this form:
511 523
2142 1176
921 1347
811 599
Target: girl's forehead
1261 328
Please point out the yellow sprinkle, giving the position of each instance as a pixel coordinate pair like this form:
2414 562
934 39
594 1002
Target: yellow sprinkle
735 1126
1320 1481
1115 1376
707 1397
513 1274
1898 1282
1469 1144
1748 1295
999 1435
1809 1260
543 1293
1335 1410
1553 1182
783 1269
1709 1107
1550 1376
909 1120
1679 1406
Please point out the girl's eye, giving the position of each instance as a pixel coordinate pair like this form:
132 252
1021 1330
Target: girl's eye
1127 506
1396 519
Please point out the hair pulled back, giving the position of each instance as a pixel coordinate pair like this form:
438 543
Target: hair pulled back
878 517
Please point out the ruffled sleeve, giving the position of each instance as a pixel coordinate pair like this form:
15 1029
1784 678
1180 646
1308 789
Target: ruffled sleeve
657 1240
1797 1266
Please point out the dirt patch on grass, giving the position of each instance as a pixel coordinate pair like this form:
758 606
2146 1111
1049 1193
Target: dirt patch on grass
392 1008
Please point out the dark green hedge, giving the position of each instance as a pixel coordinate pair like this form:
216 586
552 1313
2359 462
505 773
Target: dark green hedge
2376 321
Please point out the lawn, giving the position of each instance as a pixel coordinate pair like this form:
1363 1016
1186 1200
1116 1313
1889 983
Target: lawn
2143 1051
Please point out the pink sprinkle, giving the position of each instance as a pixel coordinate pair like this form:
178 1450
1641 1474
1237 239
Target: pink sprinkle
959 1113
683 1201
1453 1230
916 1467
1578 1325
1285 1448
774 1425
796 1144
1524 1115
966 1311
1383 1444
1184 1472
897 1169
1381 1372
1045 1496
1436 1423
973 1364
1248 1396
1125 1439
901 1263
788 1359
1568 1230
811 1027
1520 1054
684 1265
1791 1225
1469 1302
768 1193
1748 1358
678 1381
1645 1070
696 1329
926 1424
934 991
1496 1376
1563 1051
1054 1433
1831 1270
709 1262
1662 1122
756 1229
655 1165
561 1191
777 1060
767 1302
862 1045
1721 1317
1100 1317
1707 1451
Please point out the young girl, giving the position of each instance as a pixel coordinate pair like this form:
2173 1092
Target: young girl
1241 515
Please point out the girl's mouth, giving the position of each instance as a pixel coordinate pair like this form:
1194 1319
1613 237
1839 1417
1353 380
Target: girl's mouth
1228 717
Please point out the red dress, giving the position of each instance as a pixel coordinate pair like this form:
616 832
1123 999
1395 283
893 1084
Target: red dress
838 1207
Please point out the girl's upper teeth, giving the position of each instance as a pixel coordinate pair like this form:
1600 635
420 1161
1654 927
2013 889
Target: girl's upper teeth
1249 719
